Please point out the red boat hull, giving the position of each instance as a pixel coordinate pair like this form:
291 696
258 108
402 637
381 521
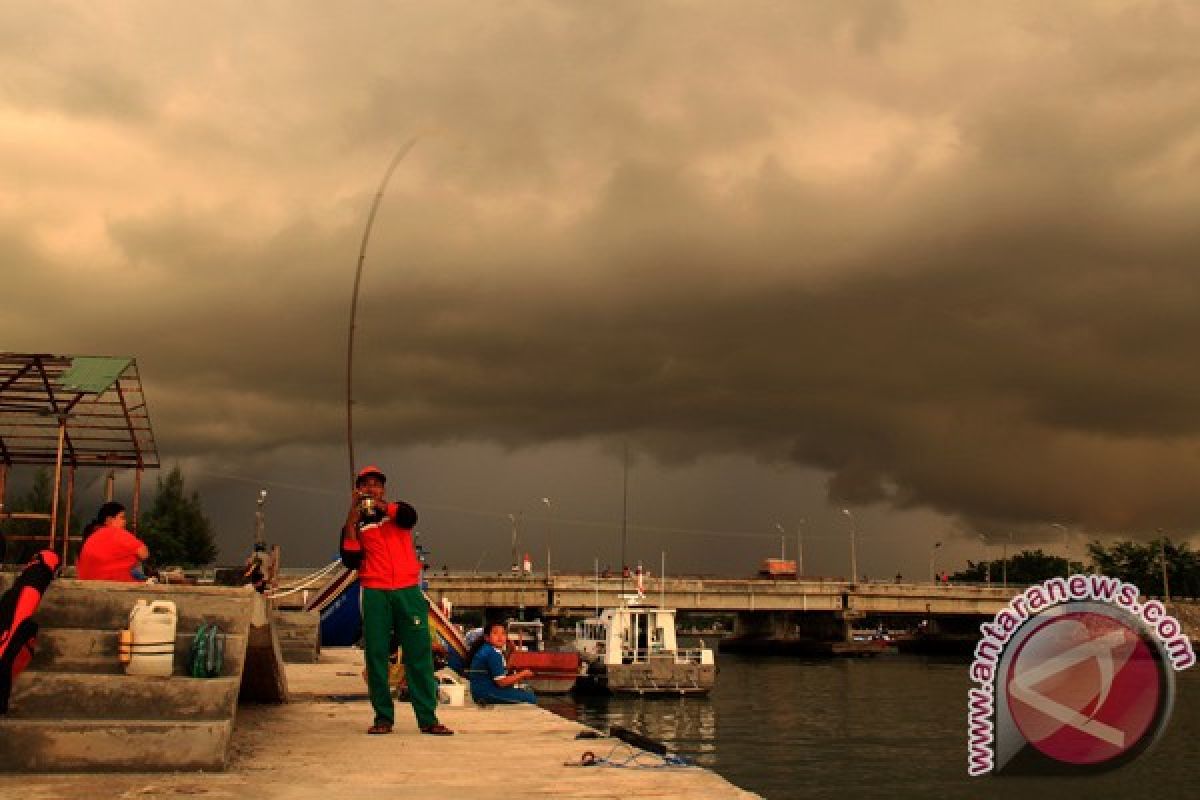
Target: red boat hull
554 672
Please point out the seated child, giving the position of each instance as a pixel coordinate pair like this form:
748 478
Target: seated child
490 681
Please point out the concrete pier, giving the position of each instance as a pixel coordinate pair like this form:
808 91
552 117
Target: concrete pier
316 747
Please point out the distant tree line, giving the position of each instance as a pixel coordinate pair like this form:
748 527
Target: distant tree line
1027 566
174 528
1133 562
1141 565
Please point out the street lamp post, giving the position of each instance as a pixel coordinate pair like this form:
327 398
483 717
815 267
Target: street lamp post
1004 560
987 562
933 552
1162 553
1066 545
799 549
853 554
782 546
514 519
260 522
799 545
549 508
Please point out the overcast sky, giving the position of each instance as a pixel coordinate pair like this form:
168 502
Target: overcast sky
935 262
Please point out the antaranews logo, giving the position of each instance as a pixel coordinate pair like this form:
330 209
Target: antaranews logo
1074 675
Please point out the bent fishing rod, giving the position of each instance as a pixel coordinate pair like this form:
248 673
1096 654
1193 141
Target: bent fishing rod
362 255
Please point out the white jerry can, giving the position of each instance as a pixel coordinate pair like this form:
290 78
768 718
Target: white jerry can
152 628
451 691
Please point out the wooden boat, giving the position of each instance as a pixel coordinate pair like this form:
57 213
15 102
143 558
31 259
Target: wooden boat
339 605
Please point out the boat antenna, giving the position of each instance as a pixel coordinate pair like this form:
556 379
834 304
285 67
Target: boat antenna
662 582
362 254
624 513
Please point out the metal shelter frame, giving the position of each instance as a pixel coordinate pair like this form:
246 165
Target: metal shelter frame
72 412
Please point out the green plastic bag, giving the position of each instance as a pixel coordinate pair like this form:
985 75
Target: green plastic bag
207 654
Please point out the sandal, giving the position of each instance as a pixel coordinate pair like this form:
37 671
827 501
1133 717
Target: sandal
380 727
437 730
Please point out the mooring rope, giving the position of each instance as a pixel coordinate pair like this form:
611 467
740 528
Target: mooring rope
307 582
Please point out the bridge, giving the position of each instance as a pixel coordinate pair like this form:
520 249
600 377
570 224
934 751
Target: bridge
562 595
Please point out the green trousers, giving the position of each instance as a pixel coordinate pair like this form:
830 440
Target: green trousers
405 612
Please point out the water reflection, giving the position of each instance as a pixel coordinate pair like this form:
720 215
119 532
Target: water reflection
891 727
687 725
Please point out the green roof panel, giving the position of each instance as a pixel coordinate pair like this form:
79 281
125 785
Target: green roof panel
94 373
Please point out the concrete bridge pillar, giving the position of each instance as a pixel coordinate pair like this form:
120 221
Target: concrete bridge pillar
846 621
792 625
827 627
764 625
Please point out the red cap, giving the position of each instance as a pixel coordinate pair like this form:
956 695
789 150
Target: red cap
370 472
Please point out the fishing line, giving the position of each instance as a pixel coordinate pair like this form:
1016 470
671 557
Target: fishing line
572 521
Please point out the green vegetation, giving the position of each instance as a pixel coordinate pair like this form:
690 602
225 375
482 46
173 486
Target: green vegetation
175 528
1027 566
38 498
1141 565
1133 562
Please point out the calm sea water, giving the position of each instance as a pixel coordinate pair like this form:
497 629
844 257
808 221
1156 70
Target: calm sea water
891 727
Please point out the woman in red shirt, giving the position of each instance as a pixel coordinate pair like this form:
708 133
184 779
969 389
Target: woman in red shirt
111 552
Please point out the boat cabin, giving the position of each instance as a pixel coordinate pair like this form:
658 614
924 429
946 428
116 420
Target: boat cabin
525 636
627 635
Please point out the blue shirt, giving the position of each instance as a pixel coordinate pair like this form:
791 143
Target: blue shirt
486 666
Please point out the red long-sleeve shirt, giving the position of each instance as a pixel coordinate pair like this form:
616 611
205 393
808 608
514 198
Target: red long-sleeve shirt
388 556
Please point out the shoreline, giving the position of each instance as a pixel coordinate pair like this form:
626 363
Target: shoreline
316 748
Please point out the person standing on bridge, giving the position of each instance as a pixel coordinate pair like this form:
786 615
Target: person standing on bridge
377 540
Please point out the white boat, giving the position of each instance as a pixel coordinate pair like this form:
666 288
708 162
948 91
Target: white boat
633 649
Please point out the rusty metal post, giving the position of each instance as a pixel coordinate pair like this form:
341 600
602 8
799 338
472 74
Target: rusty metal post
62 435
137 499
67 514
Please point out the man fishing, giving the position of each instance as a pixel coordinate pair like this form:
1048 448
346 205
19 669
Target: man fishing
377 540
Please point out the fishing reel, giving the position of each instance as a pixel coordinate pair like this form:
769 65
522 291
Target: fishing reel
370 509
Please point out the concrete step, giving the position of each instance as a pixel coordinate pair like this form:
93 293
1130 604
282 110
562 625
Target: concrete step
95 651
299 634
89 696
299 656
104 605
71 745
75 709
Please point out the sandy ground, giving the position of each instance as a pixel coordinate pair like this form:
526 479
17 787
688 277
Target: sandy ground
316 748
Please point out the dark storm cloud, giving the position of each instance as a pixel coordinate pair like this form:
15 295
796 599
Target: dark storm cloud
946 255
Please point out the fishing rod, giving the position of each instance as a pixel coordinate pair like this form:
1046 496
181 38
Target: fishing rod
362 255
